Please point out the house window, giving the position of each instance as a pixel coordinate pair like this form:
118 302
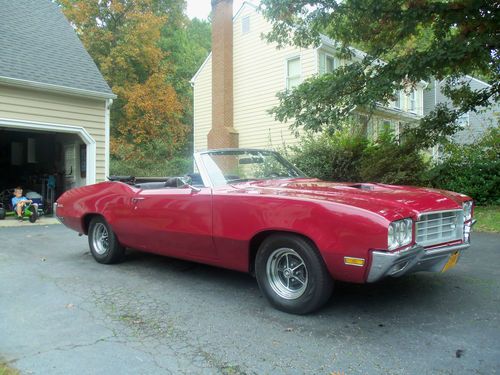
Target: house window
397 100
385 126
327 63
292 73
245 25
463 120
412 101
330 63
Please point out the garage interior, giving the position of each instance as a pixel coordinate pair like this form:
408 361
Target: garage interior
48 163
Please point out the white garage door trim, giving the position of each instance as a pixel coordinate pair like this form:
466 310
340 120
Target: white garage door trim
61 128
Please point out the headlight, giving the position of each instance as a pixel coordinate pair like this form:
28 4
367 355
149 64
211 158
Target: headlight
399 233
467 206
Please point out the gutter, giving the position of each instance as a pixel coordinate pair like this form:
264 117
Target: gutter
56 88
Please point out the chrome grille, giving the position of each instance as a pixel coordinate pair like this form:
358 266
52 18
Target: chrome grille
439 227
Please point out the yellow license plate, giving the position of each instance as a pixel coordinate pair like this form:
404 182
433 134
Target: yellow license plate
452 262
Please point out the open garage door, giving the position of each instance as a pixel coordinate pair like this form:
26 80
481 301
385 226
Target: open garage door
46 159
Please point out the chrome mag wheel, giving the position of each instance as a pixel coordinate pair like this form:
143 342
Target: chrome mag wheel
287 273
100 239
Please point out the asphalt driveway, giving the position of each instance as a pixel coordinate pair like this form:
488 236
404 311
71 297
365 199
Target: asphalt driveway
62 313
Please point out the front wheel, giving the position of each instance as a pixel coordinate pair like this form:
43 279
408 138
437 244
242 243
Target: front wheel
292 275
103 243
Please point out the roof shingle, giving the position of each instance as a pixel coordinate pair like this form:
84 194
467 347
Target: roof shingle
38 44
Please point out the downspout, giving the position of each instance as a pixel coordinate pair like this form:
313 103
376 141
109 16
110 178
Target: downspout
108 104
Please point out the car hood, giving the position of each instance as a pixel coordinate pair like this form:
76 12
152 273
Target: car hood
390 201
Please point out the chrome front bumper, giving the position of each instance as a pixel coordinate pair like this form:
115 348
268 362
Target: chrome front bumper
413 259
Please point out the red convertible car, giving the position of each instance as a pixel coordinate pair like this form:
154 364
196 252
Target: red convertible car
252 211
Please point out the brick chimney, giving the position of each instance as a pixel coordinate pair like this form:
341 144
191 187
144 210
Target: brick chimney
222 134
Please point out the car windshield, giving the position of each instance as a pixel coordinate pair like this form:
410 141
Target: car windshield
232 166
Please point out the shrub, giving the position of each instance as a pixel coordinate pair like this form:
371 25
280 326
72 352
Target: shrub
388 161
344 156
331 157
471 169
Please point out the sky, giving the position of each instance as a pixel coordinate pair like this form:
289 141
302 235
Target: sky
201 8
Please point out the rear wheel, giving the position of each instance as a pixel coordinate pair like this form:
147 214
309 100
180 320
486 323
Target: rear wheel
103 243
34 214
292 275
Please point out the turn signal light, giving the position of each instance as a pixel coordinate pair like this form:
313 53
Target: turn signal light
360 262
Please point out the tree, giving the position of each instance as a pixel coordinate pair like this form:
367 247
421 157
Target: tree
405 41
123 39
186 46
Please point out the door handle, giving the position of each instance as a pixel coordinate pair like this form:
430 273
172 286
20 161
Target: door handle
136 200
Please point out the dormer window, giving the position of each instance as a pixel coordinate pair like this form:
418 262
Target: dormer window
327 63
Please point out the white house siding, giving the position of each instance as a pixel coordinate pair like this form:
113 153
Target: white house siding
39 106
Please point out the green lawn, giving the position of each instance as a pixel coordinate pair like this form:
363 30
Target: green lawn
6 370
488 219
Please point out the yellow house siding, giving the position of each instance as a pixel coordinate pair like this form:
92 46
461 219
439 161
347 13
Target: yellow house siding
39 106
202 108
257 79
259 73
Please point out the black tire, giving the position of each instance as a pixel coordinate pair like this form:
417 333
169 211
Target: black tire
309 285
103 243
34 215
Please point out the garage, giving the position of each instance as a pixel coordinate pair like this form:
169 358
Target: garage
54 106
45 162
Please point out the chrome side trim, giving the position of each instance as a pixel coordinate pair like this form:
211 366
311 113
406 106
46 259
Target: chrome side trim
413 259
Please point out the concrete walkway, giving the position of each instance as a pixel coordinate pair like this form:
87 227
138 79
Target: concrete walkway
12 222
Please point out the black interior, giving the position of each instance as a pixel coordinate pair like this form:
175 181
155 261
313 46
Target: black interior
193 179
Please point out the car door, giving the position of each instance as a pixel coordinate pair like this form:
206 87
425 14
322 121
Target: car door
174 221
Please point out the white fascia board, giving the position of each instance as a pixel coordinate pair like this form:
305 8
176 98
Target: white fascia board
55 88
478 80
193 80
401 113
253 6
328 42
